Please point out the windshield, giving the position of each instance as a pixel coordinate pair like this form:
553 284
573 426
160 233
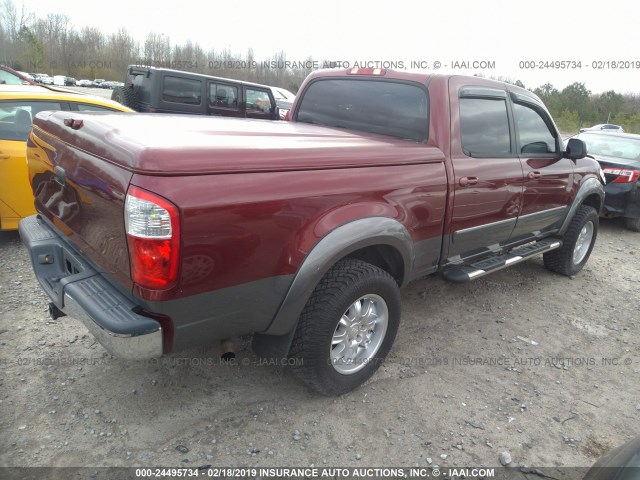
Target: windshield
612 146
9 78
375 106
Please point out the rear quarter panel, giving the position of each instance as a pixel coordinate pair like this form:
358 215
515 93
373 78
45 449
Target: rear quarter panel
240 228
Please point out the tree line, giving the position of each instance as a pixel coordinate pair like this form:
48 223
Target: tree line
575 106
52 45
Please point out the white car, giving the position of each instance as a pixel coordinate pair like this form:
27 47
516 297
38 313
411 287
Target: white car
84 83
604 127
28 75
282 94
284 98
45 80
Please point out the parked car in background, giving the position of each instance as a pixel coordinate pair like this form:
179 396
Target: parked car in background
39 77
283 94
98 81
84 83
163 90
18 105
619 157
9 76
605 127
46 80
284 100
28 76
109 84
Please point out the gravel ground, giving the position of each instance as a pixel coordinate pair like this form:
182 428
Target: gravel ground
525 361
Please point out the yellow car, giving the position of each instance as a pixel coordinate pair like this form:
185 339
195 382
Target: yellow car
18 105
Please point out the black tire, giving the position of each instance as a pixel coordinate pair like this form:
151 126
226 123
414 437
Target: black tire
126 96
345 284
632 224
562 260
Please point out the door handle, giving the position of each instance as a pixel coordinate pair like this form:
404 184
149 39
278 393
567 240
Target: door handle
466 181
533 175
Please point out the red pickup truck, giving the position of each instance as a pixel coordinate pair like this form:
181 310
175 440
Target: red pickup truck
162 232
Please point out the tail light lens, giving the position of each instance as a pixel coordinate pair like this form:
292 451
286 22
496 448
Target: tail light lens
287 116
153 233
622 175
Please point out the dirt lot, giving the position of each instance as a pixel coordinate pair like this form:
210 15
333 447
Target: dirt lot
527 361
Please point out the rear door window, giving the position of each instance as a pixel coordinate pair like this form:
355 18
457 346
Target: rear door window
484 127
223 96
181 90
375 106
258 100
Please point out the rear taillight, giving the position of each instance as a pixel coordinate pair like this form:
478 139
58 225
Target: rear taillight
153 233
622 175
287 116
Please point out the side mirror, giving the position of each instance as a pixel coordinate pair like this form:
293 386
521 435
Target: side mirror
576 149
275 113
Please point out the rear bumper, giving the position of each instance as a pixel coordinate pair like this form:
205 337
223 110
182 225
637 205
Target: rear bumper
622 199
81 292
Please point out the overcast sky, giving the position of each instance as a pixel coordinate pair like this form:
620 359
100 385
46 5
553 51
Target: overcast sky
502 32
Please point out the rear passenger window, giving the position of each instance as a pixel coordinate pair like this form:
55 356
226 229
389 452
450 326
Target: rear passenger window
181 90
258 100
16 118
534 134
223 96
484 127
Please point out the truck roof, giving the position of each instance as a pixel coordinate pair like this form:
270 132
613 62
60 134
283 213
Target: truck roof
418 77
371 72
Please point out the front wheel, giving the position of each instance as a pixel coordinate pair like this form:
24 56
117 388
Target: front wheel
577 243
347 327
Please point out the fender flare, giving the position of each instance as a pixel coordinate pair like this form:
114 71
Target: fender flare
589 186
337 244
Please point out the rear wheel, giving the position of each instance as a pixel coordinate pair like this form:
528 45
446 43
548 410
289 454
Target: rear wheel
633 224
347 327
577 243
126 96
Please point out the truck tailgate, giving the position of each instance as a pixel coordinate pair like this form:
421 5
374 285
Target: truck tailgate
80 192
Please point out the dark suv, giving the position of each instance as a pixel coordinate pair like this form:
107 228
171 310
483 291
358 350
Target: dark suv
162 90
